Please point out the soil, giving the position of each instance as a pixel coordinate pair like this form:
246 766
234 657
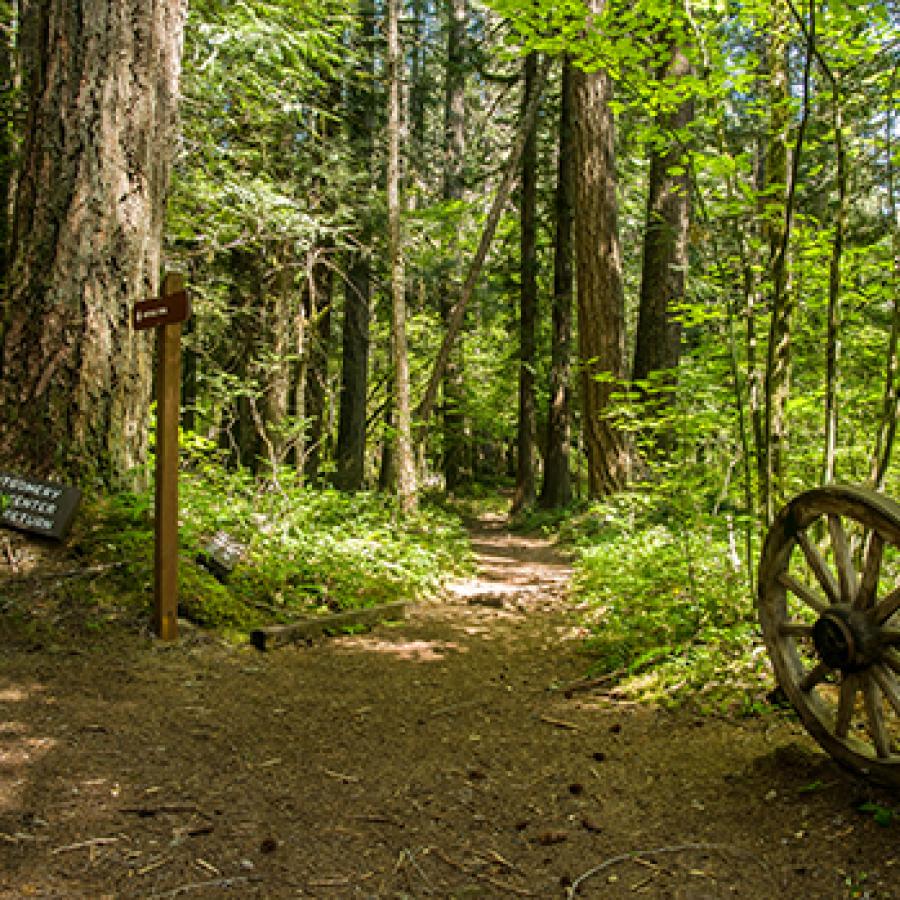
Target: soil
456 754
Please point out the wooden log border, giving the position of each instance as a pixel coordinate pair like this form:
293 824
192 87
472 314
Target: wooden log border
314 627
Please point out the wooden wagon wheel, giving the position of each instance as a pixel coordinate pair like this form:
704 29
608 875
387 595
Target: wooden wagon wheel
829 606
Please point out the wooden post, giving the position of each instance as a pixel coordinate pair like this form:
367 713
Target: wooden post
165 314
168 410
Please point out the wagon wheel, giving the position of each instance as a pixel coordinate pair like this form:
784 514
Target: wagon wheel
829 606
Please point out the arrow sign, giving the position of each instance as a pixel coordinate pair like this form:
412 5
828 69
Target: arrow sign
165 310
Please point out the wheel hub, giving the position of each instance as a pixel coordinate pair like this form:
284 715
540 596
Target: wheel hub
845 638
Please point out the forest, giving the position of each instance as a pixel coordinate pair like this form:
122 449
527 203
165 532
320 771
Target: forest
629 268
468 280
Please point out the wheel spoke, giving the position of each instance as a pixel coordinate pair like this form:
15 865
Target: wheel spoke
888 684
819 566
891 659
842 559
887 607
875 715
806 594
845 706
868 586
814 676
795 629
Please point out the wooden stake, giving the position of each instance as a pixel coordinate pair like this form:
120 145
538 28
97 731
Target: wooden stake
168 410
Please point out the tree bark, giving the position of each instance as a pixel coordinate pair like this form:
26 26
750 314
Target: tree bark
406 471
454 189
321 280
665 259
7 100
351 442
101 81
779 185
525 481
601 299
556 490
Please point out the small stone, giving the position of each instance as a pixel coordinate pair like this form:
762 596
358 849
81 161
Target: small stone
247 865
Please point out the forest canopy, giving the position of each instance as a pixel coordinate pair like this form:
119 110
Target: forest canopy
580 246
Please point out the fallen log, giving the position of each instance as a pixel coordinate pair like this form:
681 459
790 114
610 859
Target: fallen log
314 627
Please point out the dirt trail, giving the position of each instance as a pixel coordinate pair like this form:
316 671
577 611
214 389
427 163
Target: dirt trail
435 758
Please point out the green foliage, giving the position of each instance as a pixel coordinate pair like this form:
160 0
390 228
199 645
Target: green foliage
666 601
881 815
307 552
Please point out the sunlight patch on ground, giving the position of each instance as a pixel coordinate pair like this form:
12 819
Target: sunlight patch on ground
18 748
18 752
411 651
19 693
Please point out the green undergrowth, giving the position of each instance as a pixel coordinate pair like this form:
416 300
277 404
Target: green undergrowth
306 552
665 598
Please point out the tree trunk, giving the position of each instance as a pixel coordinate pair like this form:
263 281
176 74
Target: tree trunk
557 486
319 311
778 225
665 260
601 302
454 189
101 82
351 442
525 480
406 470
7 100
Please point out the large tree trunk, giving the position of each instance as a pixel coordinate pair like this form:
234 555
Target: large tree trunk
454 189
101 80
556 490
525 480
601 301
351 442
665 260
7 68
406 471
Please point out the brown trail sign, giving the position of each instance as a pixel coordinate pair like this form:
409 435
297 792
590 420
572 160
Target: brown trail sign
166 313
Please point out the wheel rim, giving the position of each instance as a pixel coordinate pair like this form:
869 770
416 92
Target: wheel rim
829 606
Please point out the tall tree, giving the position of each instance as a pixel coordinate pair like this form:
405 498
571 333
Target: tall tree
665 257
454 191
351 442
406 471
528 300
7 100
601 299
779 192
556 490
101 80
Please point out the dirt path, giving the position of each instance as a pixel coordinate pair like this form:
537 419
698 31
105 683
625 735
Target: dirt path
436 758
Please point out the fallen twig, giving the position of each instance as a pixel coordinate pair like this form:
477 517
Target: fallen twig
588 684
379 820
85 845
230 882
503 886
559 723
340 776
634 854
